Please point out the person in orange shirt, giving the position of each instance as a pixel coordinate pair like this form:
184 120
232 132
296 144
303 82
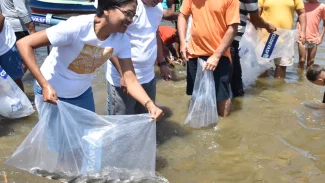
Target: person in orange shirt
214 26
315 12
169 36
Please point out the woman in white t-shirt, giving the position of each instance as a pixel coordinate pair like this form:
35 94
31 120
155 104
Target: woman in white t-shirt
80 45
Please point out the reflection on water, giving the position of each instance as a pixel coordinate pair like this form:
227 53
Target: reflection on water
271 135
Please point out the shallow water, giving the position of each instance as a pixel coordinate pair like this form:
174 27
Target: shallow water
272 135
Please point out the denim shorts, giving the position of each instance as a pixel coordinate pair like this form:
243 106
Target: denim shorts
119 103
11 62
221 77
65 142
85 100
20 35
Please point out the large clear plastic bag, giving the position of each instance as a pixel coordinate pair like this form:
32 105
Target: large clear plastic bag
257 47
14 102
203 107
251 66
70 143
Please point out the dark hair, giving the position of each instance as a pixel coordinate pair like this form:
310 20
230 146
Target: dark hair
110 4
314 71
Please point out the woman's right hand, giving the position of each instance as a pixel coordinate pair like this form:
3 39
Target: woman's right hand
155 112
49 94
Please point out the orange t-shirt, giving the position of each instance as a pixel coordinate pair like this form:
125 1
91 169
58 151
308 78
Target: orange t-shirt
167 34
210 23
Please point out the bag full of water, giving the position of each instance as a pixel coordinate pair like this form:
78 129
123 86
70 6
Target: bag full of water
73 144
203 107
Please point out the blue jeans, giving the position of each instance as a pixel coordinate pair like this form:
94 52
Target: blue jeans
63 142
85 100
119 103
236 80
11 62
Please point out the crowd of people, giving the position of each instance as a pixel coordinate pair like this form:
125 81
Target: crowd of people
127 36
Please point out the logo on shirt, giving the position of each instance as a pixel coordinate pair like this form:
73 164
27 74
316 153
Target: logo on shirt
90 58
3 73
269 46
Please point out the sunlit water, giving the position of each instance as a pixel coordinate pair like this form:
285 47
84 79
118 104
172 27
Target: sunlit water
270 136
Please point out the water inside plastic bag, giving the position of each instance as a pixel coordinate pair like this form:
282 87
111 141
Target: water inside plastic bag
203 107
102 177
71 143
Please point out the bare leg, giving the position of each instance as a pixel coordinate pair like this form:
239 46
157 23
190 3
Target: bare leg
311 56
172 50
302 56
19 82
177 47
224 107
280 71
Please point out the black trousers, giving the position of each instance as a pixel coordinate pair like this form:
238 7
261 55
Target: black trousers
236 81
20 35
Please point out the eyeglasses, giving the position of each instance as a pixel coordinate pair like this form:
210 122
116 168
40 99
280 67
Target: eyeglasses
129 14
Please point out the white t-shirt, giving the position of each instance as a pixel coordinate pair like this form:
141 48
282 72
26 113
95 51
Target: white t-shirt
7 38
142 34
77 53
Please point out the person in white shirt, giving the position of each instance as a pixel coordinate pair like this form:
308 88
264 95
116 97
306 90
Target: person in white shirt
18 14
81 45
10 60
145 50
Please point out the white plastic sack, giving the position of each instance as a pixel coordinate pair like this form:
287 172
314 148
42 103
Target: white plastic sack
70 143
14 102
251 66
203 107
257 47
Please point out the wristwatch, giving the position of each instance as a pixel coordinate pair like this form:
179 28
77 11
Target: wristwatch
162 63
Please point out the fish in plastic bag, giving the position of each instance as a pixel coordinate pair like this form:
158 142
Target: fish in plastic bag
14 102
257 47
70 143
203 107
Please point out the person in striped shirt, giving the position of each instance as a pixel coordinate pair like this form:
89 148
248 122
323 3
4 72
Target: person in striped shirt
247 7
